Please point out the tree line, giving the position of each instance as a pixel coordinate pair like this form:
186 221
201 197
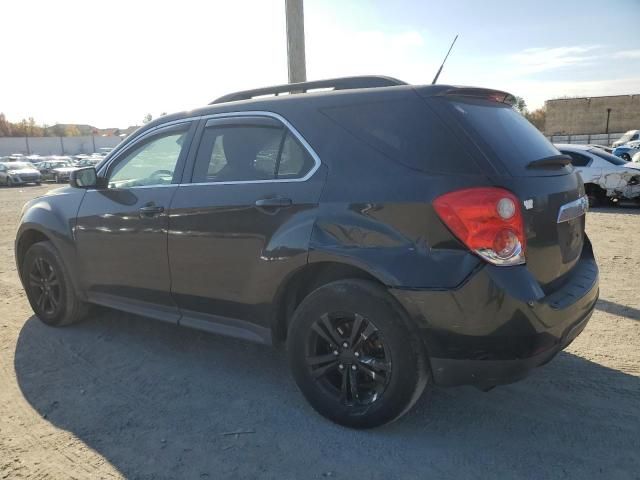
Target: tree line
29 128
536 117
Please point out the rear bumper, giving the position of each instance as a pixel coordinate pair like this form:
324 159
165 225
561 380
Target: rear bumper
499 325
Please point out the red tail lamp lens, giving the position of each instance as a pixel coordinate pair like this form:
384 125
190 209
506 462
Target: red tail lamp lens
487 220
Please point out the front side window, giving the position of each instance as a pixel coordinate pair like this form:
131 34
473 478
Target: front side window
152 163
249 153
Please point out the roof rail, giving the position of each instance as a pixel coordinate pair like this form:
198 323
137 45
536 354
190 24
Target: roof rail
344 83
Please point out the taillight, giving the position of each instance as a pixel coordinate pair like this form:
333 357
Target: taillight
487 220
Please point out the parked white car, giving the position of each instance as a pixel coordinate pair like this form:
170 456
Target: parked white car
605 176
18 173
630 136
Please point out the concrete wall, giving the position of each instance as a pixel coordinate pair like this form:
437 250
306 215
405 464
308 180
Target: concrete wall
576 116
55 145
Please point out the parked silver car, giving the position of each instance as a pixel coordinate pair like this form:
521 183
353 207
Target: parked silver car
56 170
18 173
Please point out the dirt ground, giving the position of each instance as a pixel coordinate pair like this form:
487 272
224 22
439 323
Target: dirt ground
123 396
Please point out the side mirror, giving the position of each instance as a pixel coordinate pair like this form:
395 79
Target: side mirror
84 178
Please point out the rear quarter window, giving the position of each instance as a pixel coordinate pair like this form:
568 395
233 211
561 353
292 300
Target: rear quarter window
407 132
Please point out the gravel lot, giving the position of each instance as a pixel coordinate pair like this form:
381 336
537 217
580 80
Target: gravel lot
123 396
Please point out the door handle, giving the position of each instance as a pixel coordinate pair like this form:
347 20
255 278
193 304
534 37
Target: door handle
150 210
273 202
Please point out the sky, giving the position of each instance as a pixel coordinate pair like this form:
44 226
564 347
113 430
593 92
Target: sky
108 64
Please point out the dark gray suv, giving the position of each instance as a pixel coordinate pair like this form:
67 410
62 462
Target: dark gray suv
391 236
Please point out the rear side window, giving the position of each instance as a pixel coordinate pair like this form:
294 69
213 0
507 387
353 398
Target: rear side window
507 133
294 160
577 159
405 131
249 153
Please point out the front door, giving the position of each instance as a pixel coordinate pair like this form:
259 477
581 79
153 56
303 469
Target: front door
121 231
242 224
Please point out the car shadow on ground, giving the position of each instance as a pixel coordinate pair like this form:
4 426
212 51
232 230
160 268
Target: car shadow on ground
158 401
618 309
627 209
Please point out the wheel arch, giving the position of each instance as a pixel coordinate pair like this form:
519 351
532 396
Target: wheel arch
25 239
305 280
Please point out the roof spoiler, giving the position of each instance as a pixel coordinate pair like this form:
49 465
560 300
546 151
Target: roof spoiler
344 83
480 93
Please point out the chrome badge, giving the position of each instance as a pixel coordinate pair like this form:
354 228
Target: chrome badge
528 204
573 209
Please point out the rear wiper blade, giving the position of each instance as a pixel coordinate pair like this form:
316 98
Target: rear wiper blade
554 161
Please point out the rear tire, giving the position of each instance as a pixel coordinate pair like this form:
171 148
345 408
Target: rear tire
596 195
363 378
49 288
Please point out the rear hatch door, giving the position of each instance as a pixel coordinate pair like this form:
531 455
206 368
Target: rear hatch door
516 156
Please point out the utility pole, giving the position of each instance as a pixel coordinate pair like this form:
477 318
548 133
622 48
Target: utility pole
608 115
295 41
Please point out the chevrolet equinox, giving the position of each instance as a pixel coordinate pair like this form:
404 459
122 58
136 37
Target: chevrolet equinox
391 236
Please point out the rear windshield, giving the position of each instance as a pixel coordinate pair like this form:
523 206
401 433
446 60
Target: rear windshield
510 136
608 157
406 131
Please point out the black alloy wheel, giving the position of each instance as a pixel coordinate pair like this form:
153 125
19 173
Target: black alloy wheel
44 287
49 287
355 354
347 357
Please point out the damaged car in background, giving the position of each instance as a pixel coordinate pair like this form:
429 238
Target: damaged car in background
627 150
606 178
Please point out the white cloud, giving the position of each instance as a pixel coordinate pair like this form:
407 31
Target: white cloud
533 60
631 54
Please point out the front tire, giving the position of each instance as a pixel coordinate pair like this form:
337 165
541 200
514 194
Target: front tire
49 288
355 356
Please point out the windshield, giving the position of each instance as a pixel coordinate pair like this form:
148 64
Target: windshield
60 164
18 165
608 157
627 136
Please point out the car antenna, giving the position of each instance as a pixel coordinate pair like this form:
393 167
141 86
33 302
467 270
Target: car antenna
435 79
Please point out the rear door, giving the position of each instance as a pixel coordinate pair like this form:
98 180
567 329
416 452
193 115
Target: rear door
513 147
243 222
